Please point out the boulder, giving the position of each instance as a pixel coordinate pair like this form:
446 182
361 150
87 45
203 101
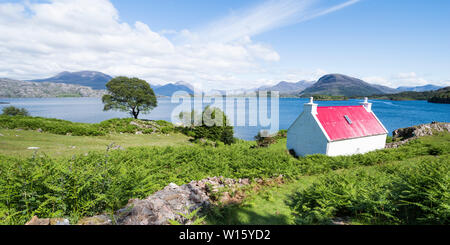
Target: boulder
405 135
59 221
170 204
53 221
421 130
96 220
36 221
164 205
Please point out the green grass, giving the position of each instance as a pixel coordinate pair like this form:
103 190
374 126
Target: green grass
269 206
16 143
63 127
279 205
61 182
408 192
276 205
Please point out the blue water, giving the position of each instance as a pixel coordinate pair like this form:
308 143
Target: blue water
393 114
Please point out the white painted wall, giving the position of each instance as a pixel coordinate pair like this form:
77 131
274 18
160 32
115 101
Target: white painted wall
356 146
305 136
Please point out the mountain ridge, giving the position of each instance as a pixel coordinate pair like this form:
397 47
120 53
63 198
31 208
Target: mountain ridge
288 87
424 88
94 79
331 84
343 85
10 88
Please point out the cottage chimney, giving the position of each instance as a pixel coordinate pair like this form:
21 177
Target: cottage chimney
310 107
367 105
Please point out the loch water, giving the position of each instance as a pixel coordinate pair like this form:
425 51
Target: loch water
393 114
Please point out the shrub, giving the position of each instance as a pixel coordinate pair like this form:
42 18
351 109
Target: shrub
147 131
267 140
216 128
54 126
412 193
264 141
436 150
166 130
420 192
14 111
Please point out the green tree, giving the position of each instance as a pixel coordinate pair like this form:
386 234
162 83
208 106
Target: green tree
132 95
14 111
214 125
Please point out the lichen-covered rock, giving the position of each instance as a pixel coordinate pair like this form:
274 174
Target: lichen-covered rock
421 130
36 221
163 206
405 135
173 200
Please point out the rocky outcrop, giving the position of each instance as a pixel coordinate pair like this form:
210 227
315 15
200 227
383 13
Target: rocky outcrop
54 221
404 135
20 89
172 203
145 124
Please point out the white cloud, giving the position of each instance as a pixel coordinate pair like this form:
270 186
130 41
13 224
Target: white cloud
378 80
267 16
408 79
40 39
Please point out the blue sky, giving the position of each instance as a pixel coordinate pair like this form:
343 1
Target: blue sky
235 43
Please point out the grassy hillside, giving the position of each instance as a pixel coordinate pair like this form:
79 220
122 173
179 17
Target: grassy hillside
437 96
441 96
76 185
63 127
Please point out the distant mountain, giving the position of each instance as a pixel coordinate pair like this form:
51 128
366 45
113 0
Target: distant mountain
181 83
385 89
287 87
428 87
19 89
93 79
169 89
342 85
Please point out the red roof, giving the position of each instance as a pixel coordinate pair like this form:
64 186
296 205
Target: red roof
360 122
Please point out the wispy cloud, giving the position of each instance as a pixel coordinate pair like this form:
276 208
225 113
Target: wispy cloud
267 16
40 39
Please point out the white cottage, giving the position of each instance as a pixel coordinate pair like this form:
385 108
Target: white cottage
336 130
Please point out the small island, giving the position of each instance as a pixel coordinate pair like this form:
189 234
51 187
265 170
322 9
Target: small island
437 96
321 97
